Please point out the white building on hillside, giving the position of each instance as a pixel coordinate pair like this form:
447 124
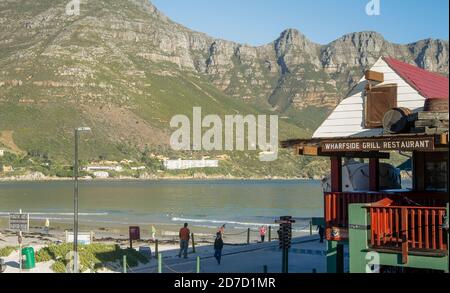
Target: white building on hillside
103 168
190 164
101 175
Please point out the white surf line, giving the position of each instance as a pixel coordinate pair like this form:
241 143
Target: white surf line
56 213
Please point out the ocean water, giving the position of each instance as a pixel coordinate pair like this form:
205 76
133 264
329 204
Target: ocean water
239 204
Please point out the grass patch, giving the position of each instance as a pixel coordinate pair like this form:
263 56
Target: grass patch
92 257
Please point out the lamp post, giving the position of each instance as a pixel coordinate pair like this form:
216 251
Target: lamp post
75 199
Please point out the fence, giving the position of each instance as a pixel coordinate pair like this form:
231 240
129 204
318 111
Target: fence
248 234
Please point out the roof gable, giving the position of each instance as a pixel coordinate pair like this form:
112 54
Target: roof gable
429 85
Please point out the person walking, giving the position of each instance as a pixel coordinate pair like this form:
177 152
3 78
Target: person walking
321 232
47 226
262 233
185 235
153 233
218 246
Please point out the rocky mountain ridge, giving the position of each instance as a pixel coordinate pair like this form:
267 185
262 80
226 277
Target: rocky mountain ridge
125 68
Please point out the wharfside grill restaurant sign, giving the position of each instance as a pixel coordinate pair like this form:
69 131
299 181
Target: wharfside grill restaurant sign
382 144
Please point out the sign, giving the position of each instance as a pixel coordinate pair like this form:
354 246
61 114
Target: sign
135 233
83 238
19 222
381 144
336 234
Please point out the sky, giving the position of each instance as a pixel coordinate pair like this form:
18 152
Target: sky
258 22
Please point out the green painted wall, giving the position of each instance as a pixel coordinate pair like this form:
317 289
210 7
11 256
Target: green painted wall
361 257
335 257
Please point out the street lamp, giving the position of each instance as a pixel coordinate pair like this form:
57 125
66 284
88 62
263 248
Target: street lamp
75 199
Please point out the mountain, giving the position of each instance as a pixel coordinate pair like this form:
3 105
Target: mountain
125 69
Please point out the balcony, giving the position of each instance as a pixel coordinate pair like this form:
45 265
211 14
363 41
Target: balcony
337 203
389 235
417 230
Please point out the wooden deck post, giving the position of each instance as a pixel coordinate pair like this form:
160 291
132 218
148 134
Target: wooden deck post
336 174
335 257
405 236
374 174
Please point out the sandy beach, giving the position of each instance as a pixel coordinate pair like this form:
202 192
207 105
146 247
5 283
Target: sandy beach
118 234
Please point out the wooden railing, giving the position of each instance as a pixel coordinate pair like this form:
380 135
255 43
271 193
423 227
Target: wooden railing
408 228
420 227
336 203
336 206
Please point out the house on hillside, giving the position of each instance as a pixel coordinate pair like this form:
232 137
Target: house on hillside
400 108
103 168
190 164
6 168
2 152
101 174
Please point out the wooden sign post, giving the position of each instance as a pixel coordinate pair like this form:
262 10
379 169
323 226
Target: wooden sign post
135 234
19 222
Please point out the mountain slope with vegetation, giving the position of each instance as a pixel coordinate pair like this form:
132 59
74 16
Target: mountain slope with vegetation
125 69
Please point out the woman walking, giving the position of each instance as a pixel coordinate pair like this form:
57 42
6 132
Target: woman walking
262 233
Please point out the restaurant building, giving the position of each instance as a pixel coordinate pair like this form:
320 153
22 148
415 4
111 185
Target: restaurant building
396 107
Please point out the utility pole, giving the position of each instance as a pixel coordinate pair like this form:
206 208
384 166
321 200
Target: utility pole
75 206
75 200
285 240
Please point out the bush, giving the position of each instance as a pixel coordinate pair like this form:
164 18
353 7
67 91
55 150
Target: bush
59 267
6 251
94 256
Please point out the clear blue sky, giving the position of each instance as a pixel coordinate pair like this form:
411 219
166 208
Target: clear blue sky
259 22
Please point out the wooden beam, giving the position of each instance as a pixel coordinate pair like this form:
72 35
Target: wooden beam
362 155
317 152
404 235
374 76
432 116
418 171
444 139
311 151
336 174
374 174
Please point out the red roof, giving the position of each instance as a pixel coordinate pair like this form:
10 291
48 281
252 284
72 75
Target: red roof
428 84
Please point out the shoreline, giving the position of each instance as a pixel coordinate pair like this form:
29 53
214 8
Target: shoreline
114 233
132 179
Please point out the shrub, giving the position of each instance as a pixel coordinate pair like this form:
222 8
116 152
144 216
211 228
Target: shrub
93 256
6 251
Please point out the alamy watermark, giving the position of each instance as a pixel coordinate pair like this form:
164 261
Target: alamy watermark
373 8
372 262
211 133
73 8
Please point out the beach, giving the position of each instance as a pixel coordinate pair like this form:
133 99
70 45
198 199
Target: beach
109 208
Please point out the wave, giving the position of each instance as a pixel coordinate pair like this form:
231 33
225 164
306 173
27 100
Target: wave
228 222
57 214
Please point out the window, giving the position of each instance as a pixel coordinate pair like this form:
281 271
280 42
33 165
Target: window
436 172
379 100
